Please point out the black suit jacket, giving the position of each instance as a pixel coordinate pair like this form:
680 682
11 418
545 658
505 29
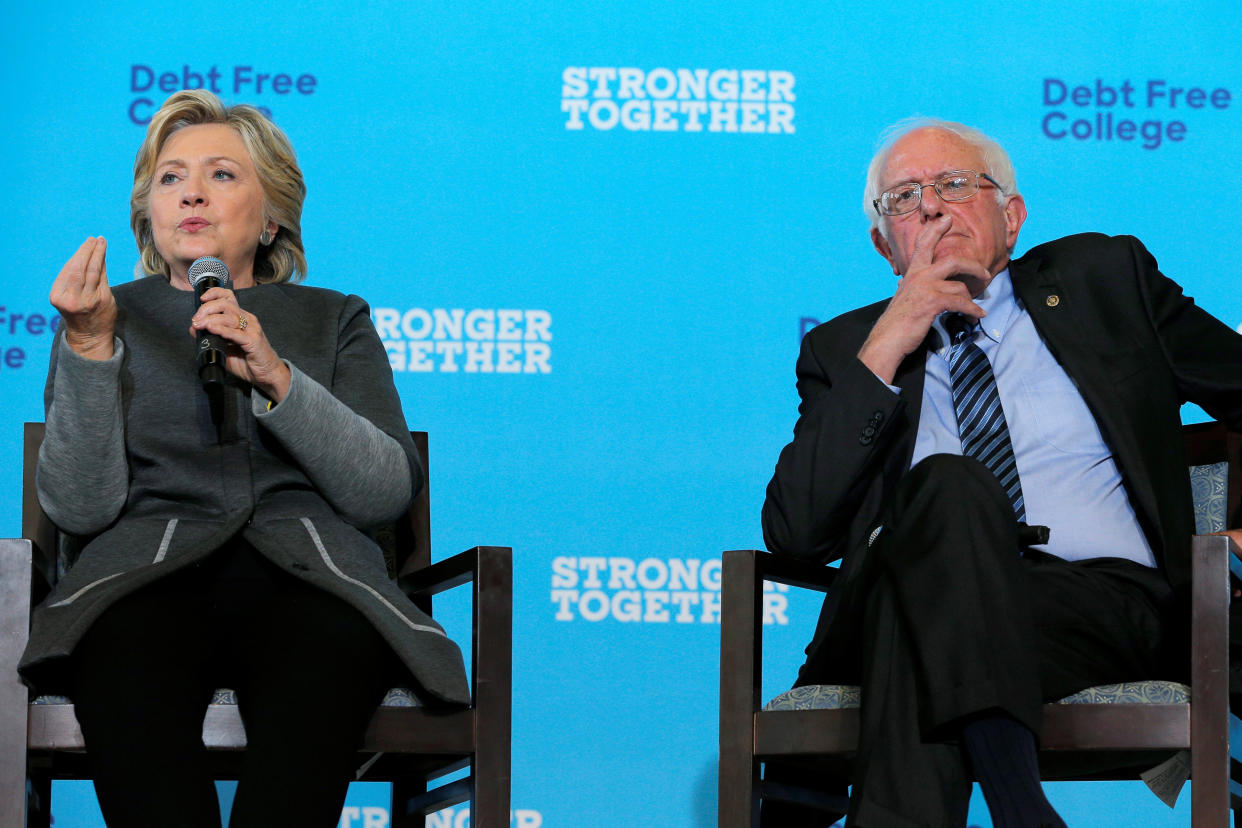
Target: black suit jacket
1135 346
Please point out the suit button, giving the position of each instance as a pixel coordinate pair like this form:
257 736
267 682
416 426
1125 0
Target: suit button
865 441
869 431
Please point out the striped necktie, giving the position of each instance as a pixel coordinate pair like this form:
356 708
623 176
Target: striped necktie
980 418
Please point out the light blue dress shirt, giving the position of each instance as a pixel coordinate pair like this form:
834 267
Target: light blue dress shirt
1070 481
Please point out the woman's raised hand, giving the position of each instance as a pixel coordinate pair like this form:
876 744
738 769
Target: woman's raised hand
85 302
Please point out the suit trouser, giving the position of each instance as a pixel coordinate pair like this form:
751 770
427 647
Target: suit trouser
308 669
947 619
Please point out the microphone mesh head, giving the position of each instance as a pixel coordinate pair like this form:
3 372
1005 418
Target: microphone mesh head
208 266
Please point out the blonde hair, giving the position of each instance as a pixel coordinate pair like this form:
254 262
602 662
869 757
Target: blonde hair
281 179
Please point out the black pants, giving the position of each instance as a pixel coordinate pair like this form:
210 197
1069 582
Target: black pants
308 670
947 618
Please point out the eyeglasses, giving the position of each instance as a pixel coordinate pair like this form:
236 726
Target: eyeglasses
959 185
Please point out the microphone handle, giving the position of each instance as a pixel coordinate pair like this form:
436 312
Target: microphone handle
210 346
210 360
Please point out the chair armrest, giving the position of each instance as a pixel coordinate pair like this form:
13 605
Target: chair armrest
491 565
490 570
741 659
793 571
16 574
16 571
442 575
743 572
1212 557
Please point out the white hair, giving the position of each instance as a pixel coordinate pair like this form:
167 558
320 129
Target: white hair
999 167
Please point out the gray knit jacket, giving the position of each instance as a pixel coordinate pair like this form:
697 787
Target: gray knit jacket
133 458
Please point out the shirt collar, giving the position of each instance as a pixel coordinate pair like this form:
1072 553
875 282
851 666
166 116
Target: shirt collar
998 300
1000 304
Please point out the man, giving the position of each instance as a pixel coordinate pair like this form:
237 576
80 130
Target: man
955 610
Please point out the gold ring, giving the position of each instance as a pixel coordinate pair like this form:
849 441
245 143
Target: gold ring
242 322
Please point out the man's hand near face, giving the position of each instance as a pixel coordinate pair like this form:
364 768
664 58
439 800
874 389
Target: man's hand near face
930 287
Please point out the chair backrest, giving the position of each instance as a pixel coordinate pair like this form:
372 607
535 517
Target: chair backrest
406 543
1212 453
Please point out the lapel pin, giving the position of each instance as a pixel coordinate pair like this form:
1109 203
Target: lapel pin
1053 300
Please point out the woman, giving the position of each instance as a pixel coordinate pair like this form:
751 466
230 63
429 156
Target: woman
228 547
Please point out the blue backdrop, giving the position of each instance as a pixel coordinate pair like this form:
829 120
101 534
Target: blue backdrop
592 234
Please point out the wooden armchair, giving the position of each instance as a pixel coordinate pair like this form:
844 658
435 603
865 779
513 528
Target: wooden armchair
408 745
1084 736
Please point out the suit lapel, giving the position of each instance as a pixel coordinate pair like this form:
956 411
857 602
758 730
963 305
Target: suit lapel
1062 322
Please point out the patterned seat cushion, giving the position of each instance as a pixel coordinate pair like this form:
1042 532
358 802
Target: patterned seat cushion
1208 489
816 697
1132 692
842 696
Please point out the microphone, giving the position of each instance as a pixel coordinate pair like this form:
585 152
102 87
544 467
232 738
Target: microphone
205 273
